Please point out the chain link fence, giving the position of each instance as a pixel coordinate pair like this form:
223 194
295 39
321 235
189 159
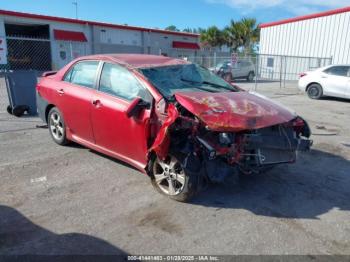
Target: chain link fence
266 67
4 101
28 54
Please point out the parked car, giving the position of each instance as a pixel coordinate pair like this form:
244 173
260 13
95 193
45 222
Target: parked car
243 69
333 80
175 121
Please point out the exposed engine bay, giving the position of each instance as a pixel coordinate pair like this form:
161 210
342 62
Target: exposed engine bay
218 154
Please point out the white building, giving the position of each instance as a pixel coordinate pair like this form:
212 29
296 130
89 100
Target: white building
308 42
39 42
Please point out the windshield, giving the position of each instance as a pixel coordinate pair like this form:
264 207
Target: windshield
190 77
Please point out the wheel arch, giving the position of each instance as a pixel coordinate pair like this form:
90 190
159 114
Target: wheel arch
150 159
312 83
47 110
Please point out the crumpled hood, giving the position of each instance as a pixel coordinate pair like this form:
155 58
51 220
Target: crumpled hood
234 111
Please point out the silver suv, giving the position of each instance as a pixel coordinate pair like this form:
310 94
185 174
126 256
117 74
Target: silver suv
242 69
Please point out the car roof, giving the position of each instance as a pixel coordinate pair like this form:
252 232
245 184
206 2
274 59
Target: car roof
137 60
328 66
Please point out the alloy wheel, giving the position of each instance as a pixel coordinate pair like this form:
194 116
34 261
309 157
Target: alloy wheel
56 126
313 92
169 175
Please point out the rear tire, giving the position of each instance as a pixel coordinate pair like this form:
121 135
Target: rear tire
170 178
250 77
314 91
57 127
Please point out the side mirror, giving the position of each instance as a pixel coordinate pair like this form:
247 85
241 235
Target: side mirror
136 106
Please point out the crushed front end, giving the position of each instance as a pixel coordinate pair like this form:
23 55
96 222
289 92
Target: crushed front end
217 154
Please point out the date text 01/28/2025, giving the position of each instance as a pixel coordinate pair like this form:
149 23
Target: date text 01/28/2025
172 258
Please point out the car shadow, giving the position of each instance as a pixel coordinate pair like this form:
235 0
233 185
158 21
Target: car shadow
338 99
120 162
117 161
20 236
316 184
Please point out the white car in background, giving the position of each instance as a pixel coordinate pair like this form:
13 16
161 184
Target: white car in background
333 80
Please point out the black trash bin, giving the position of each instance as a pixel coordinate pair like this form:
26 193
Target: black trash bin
20 86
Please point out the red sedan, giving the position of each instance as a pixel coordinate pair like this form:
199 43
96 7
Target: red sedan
173 120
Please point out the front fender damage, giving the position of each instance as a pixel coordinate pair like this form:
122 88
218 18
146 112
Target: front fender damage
162 141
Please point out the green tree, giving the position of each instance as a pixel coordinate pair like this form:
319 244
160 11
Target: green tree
244 33
188 30
172 28
211 37
233 35
251 33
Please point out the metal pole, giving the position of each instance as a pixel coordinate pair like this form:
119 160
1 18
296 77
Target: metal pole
71 51
214 58
285 71
76 8
256 72
280 72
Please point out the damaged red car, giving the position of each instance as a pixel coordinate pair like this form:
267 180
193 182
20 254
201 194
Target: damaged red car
174 120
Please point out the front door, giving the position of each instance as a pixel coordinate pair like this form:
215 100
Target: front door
74 99
113 130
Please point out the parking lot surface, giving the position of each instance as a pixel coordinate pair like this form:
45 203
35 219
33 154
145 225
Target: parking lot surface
71 200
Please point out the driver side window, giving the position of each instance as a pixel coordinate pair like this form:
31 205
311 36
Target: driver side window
119 81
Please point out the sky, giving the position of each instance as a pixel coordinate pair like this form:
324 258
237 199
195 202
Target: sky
181 13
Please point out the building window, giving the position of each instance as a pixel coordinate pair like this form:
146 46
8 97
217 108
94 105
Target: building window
270 61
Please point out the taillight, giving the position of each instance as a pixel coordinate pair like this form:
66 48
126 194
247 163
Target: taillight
298 124
302 74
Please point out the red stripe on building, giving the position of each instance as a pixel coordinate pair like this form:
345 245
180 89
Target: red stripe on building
185 45
69 35
306 17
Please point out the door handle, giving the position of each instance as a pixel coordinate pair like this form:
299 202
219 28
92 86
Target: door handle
323 76
60 92
96 102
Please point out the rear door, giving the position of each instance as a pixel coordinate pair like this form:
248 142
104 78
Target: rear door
75 95
335 80
113 130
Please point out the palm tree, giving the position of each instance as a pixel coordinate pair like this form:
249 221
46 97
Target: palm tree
211 37
233 35
244 33
251 33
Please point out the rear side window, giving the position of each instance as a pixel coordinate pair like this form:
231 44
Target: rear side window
83 74
338 70
119 81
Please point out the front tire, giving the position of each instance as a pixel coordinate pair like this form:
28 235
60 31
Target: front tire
170 178
314 91
57 126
